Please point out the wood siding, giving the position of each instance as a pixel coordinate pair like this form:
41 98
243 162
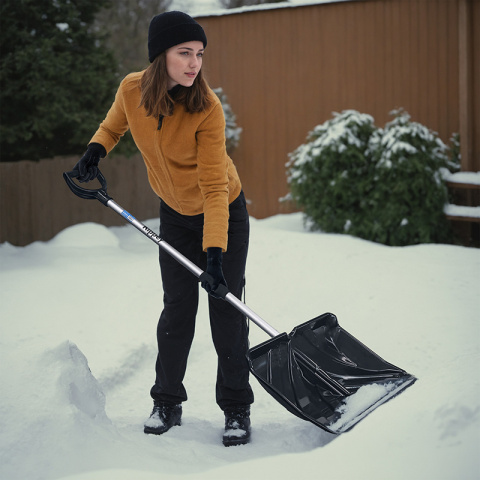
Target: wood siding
284 71
36 204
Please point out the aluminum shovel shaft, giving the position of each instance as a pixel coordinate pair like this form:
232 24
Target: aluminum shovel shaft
101 195
189 265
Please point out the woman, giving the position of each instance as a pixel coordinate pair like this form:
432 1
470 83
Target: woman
178 125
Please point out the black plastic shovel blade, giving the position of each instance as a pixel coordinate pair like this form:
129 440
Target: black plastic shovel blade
322 374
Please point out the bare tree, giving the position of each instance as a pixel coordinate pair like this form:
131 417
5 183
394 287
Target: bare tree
126 25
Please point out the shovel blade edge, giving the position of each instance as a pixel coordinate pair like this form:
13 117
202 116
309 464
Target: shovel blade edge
316 371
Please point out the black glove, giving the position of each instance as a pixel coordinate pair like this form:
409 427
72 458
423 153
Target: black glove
215 272
87 166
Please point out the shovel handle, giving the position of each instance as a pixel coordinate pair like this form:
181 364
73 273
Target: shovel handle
101 195
189 265
87 193
220 291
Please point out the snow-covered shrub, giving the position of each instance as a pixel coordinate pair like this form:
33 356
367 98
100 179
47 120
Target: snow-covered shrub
454 151
411 163
385 185
330 176
232 132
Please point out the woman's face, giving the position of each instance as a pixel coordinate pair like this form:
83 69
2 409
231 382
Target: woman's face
184 61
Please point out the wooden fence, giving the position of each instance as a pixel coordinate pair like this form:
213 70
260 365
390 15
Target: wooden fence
36 204
284 71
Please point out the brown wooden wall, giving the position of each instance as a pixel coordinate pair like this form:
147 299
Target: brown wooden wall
36 204
285 70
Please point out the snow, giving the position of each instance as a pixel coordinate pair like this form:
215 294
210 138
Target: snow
214 7
234 432
398 136
77 353
78 350
334 134
354 405
154 421
472 178
462 211
469 178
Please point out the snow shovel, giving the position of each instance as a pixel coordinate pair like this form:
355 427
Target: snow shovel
318 372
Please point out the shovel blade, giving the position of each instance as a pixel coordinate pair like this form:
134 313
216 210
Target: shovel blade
322 374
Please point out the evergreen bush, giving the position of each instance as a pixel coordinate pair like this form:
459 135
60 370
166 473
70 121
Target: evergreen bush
384 185
232 131
57 79
410 192
330 176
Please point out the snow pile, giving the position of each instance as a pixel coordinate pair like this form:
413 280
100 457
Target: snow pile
462 211
76 387
366 399
472 178
98 236
57 407
95 293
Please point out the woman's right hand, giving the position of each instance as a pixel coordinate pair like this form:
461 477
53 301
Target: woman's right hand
214 271
87 166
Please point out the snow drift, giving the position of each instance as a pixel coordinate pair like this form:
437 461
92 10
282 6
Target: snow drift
95 293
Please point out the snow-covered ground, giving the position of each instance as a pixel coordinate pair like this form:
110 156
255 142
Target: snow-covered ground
78 349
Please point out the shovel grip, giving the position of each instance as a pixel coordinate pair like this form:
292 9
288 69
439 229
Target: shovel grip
220 291
87 193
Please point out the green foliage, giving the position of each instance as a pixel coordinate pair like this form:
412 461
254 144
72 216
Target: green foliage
330 175
56 78
454 150
410 193
232 132
384 185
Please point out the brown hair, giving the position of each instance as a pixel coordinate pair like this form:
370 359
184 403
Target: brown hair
154 93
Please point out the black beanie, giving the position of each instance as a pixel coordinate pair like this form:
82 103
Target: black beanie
171 28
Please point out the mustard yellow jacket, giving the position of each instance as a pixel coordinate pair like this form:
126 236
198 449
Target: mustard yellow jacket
186 159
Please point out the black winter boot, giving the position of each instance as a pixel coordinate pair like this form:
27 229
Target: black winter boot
237 427
163 417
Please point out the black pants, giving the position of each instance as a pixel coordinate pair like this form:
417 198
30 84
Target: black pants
176 325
